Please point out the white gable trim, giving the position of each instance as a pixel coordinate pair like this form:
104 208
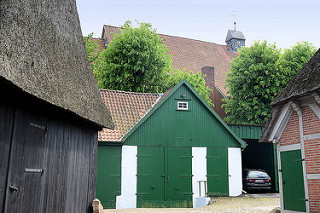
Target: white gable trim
316 97
316 109
281 123
296 108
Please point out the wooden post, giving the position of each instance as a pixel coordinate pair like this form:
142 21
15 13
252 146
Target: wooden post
97 207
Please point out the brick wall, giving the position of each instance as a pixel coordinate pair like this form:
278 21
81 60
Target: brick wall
314 195
312 150
291 133
311 123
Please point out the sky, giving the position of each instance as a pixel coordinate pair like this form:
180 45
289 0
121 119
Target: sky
281 21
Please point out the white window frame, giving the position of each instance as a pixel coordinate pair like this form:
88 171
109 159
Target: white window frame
183 103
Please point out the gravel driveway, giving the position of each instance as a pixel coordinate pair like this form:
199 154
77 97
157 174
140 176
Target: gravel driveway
247 203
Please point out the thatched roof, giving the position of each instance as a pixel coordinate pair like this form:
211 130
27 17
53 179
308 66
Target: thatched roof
307 81
42 52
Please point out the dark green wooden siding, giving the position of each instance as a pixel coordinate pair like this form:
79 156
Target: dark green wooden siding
247 131
257 155
164 177
150 177
108 175
217 172
196 127
261 156
292 181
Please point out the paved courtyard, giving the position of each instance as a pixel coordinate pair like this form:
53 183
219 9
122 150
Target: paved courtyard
262 203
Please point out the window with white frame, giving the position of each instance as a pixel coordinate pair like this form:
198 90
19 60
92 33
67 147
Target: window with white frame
182 105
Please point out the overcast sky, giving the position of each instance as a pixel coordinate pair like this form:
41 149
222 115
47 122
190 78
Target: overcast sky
281 21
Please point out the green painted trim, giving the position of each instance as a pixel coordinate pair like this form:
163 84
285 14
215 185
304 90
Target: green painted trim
175 88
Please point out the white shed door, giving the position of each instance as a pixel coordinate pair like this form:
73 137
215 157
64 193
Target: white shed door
235 171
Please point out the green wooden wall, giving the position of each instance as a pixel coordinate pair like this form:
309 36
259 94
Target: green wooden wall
196 127
164 140
258 155
108 175
247 131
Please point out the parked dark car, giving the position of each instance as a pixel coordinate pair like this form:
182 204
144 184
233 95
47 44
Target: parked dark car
256 179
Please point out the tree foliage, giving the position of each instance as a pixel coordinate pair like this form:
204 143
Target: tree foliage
292 60
135 60
93 53
196 80
258 75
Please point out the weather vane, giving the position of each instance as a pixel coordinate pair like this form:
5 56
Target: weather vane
233 16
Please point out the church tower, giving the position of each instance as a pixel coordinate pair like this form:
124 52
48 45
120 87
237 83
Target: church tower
235 39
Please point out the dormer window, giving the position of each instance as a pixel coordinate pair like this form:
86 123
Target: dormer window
182 105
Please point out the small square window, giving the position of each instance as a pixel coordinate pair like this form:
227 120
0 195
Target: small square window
182 105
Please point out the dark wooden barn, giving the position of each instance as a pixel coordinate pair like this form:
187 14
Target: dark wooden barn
50 109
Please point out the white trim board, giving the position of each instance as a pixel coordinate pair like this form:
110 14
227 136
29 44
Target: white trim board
312 136
304 167
282 122
235 171
313 176
290 147
128 197
199 176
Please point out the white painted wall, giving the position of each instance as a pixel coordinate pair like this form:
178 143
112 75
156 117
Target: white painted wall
199 172
235 171
128 198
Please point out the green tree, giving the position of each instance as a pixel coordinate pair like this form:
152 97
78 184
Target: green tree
135 60
93 52
196 80
254 80
258 75
292 60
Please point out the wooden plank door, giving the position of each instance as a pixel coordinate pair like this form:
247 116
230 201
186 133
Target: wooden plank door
24 192
150 177
292 181
164 177
178 185
108 175
217 172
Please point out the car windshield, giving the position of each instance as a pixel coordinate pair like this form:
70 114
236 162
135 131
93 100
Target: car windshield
258 174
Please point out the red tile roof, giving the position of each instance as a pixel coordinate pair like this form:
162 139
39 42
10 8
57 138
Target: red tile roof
192 54
126 109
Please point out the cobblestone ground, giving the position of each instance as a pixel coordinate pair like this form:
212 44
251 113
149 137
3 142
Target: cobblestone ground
243 204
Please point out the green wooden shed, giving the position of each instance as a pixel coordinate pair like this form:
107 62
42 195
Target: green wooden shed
167 150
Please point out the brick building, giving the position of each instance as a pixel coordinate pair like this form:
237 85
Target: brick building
198 56
295 127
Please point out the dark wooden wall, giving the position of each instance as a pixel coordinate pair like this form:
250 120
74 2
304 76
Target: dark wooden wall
35 136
